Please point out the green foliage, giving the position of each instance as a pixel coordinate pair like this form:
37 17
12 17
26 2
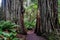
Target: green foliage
30 24
30 15
59 10
33 5
6 35
34 1
58 1
8 30
16 39
53 36
8 25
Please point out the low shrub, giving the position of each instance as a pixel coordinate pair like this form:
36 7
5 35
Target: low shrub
8 30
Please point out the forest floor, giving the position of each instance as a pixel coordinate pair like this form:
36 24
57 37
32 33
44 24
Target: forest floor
31 36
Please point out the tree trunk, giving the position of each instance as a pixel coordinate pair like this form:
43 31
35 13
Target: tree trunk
15 13
22 10
48 16
55 13
38 29
42 18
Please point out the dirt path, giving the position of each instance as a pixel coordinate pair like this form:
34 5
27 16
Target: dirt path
32 36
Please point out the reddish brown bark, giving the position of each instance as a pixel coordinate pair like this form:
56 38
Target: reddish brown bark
48 16
22 18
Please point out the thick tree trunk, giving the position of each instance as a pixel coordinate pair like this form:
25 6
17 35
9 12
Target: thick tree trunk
15 13
48 16
42 18
7 9
22 18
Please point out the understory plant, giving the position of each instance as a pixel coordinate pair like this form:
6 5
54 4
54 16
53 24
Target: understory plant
8 30
53 36
30 25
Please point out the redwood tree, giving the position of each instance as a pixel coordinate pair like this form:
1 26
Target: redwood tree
48 16
15 13
22 10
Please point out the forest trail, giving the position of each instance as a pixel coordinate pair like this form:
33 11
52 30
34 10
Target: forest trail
32 36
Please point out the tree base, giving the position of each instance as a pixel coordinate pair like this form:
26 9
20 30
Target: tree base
38 34
23 33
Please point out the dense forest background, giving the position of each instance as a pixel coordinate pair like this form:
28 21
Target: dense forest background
21 17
